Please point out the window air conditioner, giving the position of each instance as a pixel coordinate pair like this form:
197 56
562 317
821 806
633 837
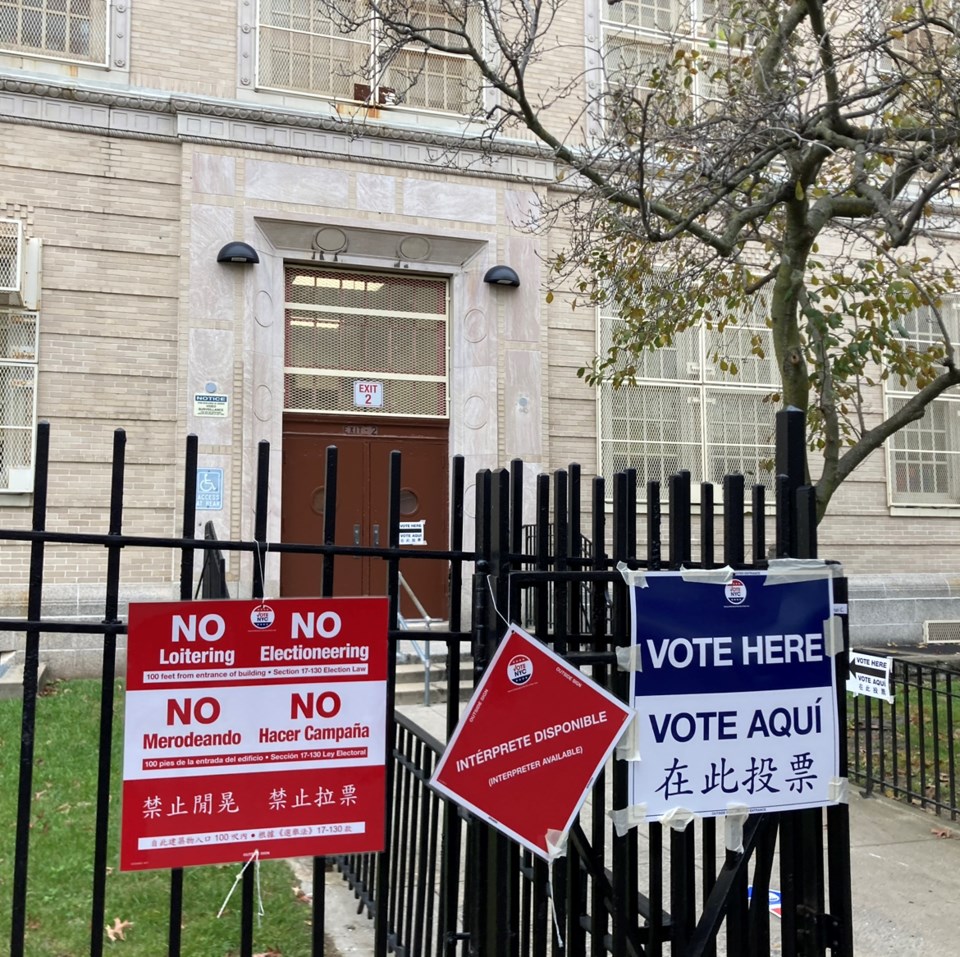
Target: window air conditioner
19 266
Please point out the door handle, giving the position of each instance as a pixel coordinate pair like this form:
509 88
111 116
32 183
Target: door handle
356 534
376 536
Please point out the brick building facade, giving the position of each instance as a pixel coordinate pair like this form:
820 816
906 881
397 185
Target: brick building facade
136 145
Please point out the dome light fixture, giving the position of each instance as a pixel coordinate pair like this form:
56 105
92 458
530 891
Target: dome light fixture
502 276
238 252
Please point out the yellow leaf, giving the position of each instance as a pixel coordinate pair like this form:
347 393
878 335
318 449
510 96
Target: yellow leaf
798 191
549 297
116 932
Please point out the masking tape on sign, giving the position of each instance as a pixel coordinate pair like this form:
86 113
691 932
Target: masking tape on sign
833 635
628 817
708 576
628 747
632 576
678 818
627 659
838 790
556 843
737 815
785 571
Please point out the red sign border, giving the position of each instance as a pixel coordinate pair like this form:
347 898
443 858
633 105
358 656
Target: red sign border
325 845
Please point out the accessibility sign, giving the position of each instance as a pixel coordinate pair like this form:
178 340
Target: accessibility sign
733 682
870 675
529 745
209 490
253 727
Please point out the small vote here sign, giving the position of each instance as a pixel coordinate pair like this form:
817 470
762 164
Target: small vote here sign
253 726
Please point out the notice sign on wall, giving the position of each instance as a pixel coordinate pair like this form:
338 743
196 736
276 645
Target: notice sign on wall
530 744
735 693
207 406
253 726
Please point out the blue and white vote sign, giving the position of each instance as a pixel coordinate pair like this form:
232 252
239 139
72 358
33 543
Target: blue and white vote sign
735 694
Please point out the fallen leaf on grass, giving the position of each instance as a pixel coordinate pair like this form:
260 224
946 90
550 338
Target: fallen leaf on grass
301 896
117 931
941 831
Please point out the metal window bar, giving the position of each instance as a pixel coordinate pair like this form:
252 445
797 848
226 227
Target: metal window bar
74 30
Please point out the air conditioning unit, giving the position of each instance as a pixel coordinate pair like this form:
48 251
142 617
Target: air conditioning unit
942 632
19 266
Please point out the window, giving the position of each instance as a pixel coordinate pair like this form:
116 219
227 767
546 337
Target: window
66 29
639 39
18 398
686 412
674 17
302 49
349 327
923 459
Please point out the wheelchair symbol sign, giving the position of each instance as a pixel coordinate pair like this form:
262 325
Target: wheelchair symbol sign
209 490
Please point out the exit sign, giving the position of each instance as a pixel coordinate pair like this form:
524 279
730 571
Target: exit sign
368 395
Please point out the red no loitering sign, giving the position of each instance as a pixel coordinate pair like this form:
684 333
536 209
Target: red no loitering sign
533 739
253 727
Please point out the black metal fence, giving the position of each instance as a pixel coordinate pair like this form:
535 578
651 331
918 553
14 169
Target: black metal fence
908 748
447 884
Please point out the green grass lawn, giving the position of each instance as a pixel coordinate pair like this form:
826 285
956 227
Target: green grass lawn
929 724
61 852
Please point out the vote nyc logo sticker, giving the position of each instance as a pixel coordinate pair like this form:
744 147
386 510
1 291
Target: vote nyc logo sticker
262 616
519 669
735 591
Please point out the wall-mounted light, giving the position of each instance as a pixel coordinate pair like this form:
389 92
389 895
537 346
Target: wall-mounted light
501 276
237 252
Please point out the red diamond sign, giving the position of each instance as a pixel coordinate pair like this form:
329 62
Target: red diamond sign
532 740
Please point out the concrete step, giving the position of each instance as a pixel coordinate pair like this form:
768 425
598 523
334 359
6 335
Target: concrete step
410 681
11 677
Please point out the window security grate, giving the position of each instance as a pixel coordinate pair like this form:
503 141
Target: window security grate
344 327
688 413
10 252
924 457
67 29
302 49
18 400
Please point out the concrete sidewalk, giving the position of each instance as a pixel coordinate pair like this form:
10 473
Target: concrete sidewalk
905 867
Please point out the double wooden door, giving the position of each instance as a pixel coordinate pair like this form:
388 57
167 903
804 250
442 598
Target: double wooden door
364 446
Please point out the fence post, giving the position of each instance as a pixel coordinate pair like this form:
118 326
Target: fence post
805 924
798 865
111 608
175 920
31 669
477 865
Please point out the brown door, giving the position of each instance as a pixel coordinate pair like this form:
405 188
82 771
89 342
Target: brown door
363 451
